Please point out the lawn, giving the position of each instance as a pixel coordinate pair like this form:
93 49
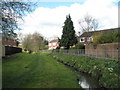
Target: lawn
36 71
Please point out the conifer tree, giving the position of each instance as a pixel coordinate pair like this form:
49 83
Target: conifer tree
68 37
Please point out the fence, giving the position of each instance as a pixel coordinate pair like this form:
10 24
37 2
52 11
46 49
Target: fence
12 50
9 50
45 51
101 54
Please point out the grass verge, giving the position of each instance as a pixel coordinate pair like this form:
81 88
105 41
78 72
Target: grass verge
107 71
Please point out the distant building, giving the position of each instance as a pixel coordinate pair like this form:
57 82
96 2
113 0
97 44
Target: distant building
87 37
53 44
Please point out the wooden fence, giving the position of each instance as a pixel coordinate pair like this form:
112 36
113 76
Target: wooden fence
9 50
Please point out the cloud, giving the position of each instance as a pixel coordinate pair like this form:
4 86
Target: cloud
49 21
54 0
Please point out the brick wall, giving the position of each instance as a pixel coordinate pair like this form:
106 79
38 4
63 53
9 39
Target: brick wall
9 43
107 50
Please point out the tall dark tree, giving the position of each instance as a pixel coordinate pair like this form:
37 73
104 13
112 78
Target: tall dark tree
11 12
68 37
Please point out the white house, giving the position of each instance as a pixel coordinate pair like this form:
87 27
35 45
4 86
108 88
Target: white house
53 44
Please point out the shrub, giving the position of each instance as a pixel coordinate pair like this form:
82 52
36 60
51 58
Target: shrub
58 48
96 37
80 46
108 37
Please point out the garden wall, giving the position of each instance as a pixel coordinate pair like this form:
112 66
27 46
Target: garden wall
107 50
12 50
9 42
9 50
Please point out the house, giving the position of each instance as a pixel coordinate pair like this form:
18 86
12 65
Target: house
87 37
53 44
8 42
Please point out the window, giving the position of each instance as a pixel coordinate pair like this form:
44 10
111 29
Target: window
89 39
54 44
82 39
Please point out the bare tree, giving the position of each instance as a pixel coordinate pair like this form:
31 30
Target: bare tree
33 42
11 12
20 37
38 41
26 42
88 23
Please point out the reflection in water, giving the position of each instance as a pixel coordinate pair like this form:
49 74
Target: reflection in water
84 84
86 81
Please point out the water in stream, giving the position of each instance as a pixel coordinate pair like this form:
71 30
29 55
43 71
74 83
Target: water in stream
86 81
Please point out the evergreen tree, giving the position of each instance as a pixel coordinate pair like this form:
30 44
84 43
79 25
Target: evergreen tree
68 37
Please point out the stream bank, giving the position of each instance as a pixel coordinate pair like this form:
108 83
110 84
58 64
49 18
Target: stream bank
85 80
106 71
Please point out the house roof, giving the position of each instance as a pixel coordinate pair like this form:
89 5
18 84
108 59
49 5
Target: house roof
52 41
89 34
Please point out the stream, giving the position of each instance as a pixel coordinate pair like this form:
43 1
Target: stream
85 80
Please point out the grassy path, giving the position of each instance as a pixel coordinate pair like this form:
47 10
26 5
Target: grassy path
36 71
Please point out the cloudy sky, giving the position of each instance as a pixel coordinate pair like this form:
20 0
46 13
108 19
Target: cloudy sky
49 16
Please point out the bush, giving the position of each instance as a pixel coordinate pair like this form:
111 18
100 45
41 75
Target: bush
80 46
30 51
58 48
108 37
73 48
25 49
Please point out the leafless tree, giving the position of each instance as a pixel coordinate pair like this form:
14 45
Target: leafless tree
26 42
33 42
88 23
11 12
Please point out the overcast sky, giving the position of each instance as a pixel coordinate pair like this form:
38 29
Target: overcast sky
48 17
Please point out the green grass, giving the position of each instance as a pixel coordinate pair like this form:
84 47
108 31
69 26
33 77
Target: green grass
36 71
107 71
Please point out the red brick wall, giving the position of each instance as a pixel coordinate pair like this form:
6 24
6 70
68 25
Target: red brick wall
109 49
9 43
